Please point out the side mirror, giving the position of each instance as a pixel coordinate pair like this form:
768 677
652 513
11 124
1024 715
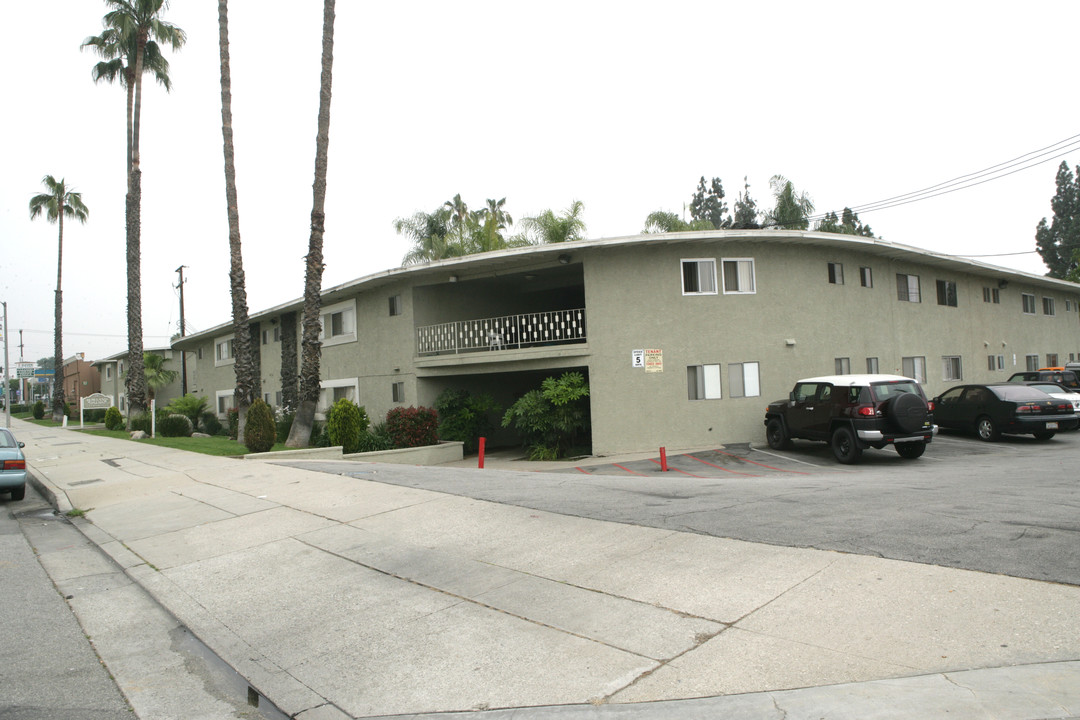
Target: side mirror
791 396
22 444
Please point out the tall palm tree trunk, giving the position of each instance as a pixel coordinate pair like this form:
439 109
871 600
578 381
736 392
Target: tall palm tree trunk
58 338
244 366
300 433
136 379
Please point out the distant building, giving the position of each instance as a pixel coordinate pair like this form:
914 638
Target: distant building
112 371
682 337
80 379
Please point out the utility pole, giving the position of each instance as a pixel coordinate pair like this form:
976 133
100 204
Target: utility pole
7 369
183 330
22 382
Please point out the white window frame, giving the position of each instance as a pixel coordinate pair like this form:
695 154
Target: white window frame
872 366
741 276
952 368
108 372
1048 306
1027 301
943 295
1031 361
348 321
396 307
225 341
918 367
397 392
908 293
842 365
866 276
218 397
1052 360
836 273
320 408
744 379
705 275
703 382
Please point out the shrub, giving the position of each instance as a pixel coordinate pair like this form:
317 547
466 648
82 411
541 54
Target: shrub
412 427
232 417
175 425
141 422
371 442
552 419
464 417
344 423
260 433
94 416
113 419
189 405
319 436
284 425
210 424
39 410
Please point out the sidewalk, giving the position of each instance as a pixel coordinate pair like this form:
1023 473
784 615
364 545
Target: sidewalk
343 598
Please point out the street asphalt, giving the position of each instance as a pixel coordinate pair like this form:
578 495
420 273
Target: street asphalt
349 595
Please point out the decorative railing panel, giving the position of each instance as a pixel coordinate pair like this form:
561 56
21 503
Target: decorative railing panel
552 327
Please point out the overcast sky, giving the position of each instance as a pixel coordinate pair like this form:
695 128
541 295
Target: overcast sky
622 105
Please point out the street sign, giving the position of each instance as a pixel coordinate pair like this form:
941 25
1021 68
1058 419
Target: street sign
24 372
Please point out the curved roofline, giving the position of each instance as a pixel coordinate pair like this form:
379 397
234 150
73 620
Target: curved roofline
875 246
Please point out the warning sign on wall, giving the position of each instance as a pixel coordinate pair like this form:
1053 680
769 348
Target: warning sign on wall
654 361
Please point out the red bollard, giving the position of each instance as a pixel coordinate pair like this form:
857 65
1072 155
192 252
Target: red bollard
482 441
663 459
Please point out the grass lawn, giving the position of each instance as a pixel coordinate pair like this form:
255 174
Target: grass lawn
217 445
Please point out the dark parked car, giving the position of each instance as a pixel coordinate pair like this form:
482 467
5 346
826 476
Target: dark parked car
852 413
12 466
990 410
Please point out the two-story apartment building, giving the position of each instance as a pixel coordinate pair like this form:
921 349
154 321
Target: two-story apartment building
112 373
683 337
80 379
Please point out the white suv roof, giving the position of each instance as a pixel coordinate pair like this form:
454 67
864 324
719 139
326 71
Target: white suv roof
855 380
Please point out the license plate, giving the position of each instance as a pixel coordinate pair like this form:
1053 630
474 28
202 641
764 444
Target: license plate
1051 426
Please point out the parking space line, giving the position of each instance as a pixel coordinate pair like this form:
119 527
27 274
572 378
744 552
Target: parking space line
720 467
797 472
675 469
785 457
621 467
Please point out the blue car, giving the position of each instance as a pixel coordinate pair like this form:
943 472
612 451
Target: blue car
12 466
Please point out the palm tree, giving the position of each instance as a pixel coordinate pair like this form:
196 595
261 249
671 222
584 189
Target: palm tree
430 234
59 202
300 432
244 367
547 227
665 222
792 210
459 215
157 376
129 27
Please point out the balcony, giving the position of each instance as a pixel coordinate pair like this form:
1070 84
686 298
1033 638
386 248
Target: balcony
507 332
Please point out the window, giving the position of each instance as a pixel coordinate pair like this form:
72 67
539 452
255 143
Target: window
1051 360
842 365
743 380
398 392
277 399
991 362
333 390
991 295
108 372
946 293
1029 303
703 382
699 277
224 402
1032 362
120 368
1001 362
395 304
907 288
1068 305
1048 306
986 294
872 365
223 351
738 276
198 353
338 323
866 277
914 368
836 273
951 368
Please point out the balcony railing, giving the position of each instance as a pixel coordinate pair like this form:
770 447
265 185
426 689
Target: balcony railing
508 332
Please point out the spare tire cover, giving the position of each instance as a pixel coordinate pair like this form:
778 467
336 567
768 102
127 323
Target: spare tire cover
907 412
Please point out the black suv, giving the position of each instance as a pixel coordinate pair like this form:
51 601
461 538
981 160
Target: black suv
852 413
1067 378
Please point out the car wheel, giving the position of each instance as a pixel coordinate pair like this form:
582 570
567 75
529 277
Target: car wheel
911 450
844 445
986 429
18 493
1044 434
908 412
777 435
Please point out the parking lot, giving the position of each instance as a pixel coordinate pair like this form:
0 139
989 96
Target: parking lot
1010 507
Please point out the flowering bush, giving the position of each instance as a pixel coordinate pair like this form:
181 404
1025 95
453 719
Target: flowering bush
412 426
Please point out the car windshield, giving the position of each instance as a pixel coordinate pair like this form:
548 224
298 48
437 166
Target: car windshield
1020 393
884 391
